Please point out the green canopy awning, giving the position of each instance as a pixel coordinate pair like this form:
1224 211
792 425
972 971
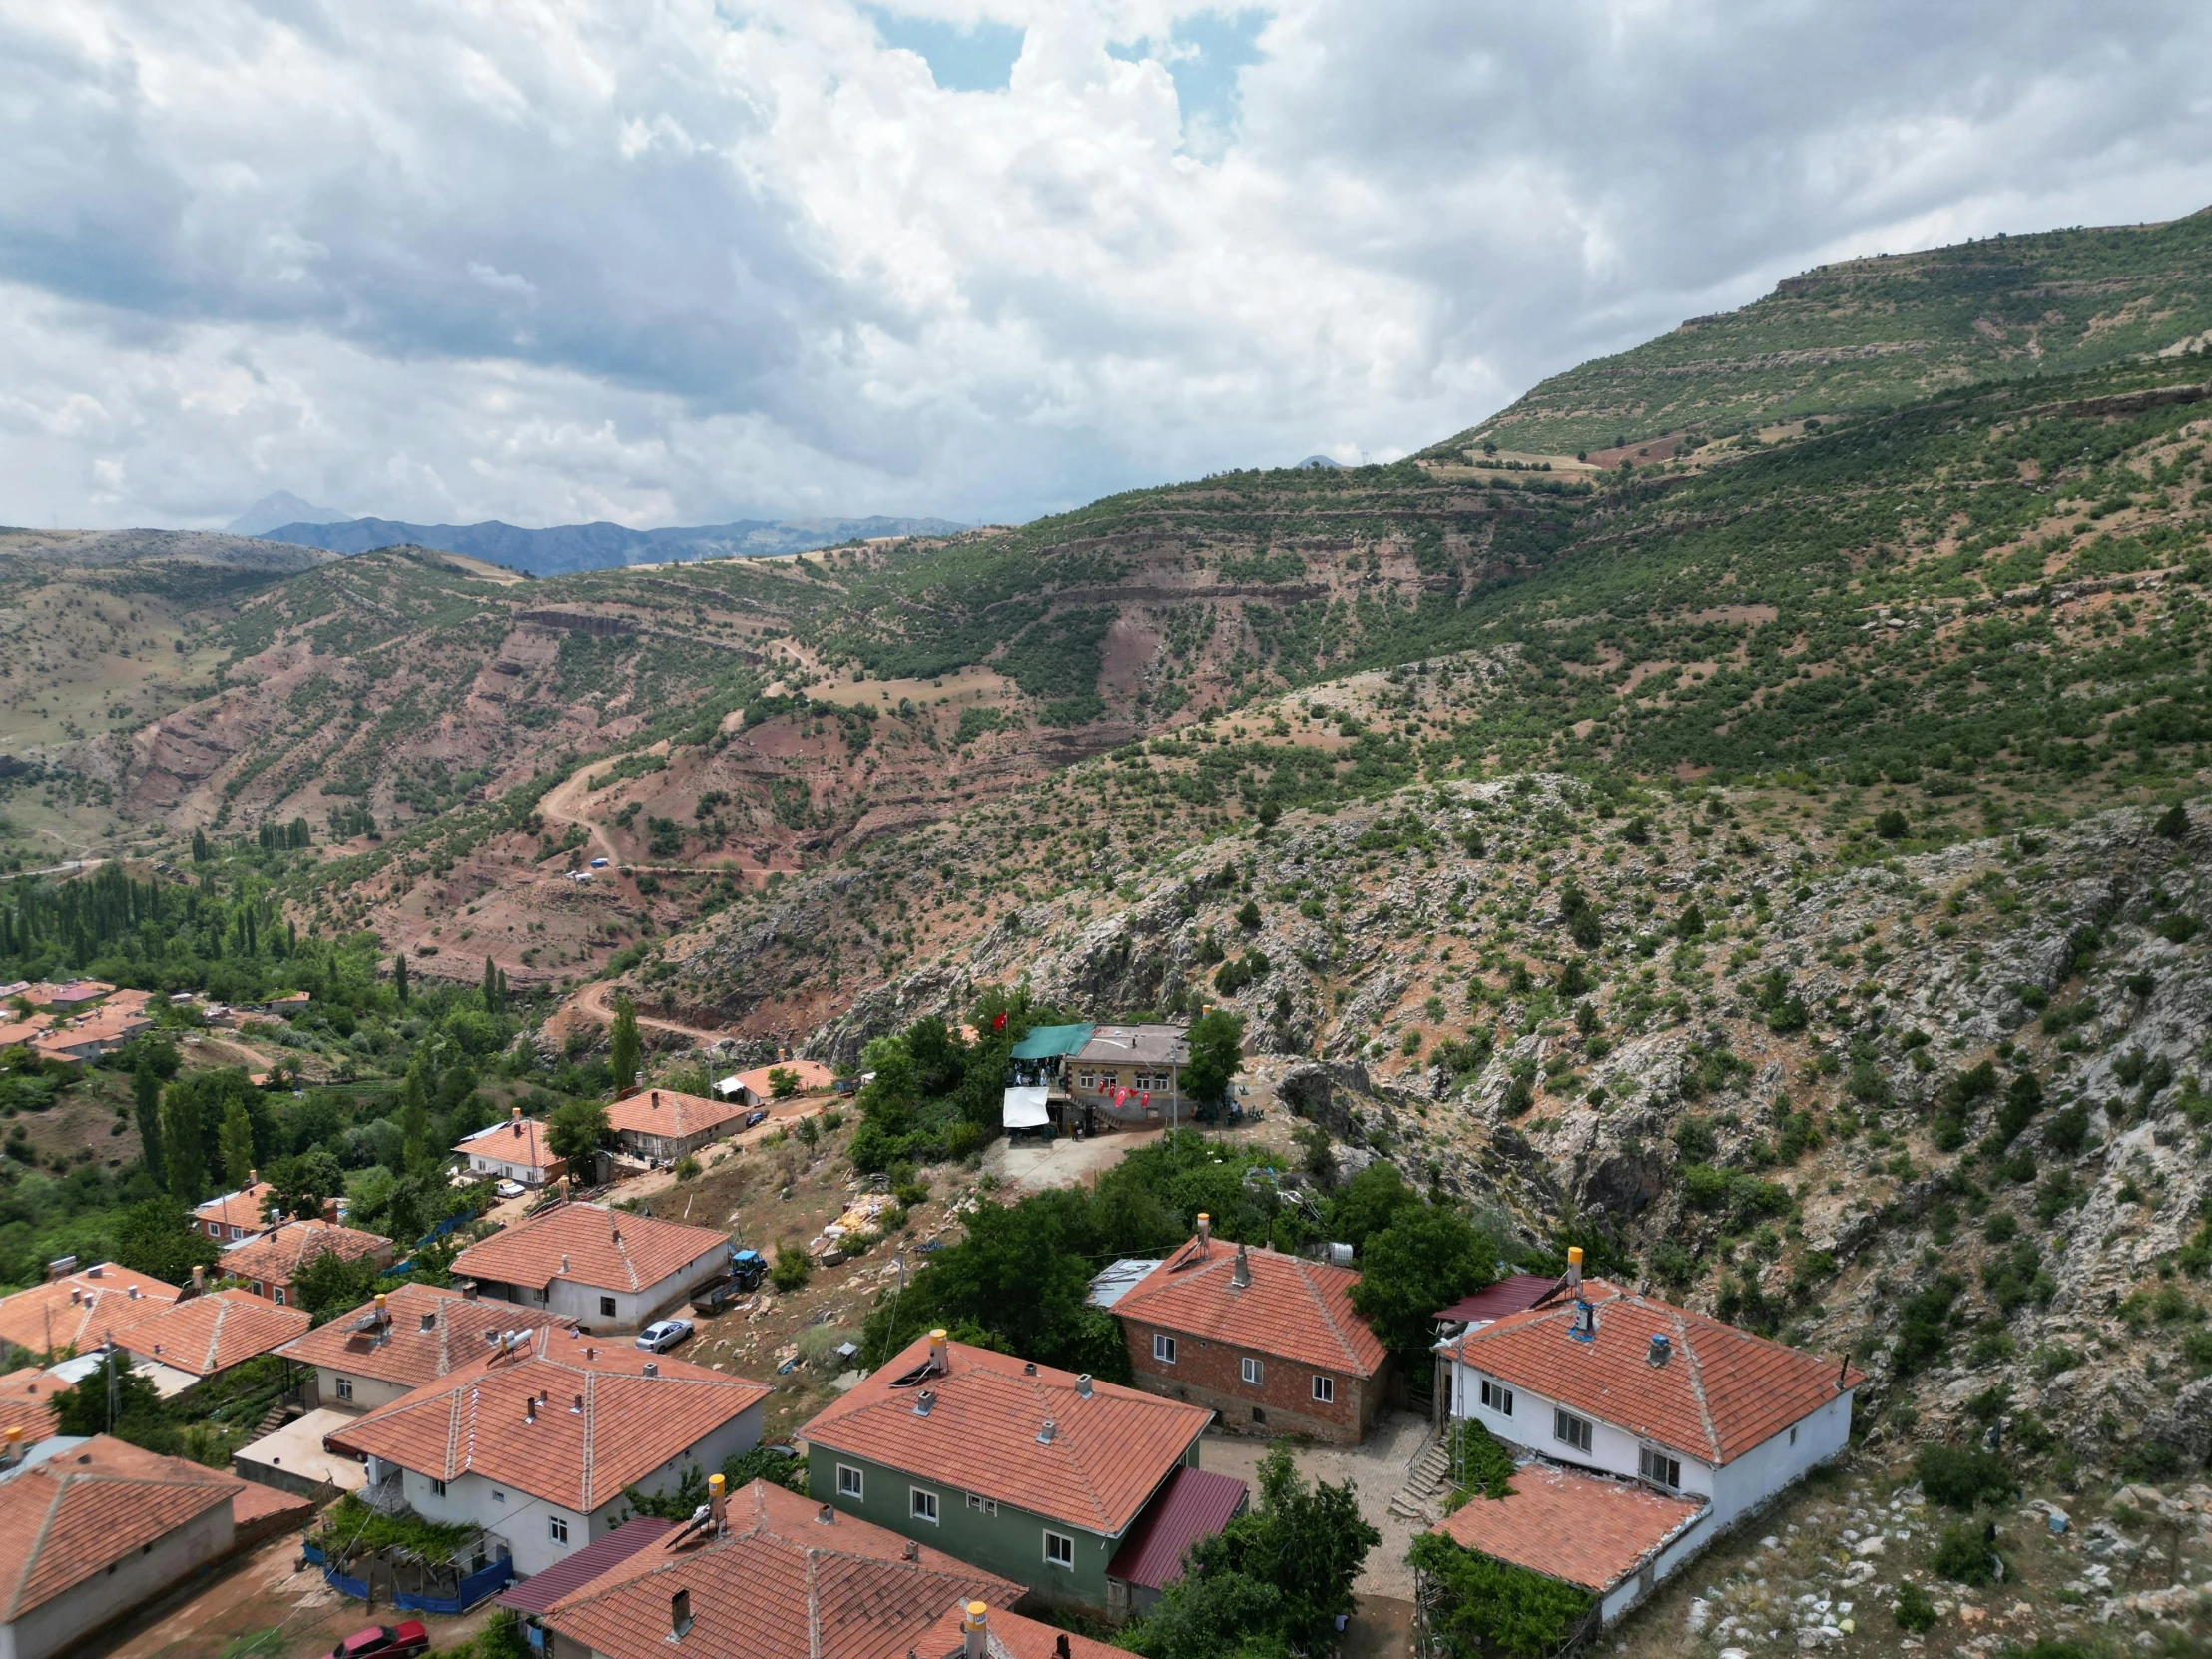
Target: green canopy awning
1047 1043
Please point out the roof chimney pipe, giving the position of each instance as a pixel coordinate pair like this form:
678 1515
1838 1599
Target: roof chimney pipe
429 1319
652 1367
1205 1231
1240 1276
678 1615
1048 1432
1574 1269
1083 1384
976 1631
1661 1347
926 1402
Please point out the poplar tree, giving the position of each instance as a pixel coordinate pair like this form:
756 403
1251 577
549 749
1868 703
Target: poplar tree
622 1055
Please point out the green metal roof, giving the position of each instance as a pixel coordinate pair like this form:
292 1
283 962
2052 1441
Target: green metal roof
1047 1043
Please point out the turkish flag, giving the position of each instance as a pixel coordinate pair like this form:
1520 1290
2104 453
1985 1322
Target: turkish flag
1148 1099
999 1024
1121 1097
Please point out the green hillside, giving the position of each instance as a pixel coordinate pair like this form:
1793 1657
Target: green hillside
1882 331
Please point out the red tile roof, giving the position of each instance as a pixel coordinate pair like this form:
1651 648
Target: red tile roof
246 1208
811 1075
1107 1457
26 1402
1509 1295
78 1310
603 1423
208 1334
524 1141
1292 1310
595 1561
604 1248
277 1255
1721 1392
788 1577
1010 1636
665 1112
402 1352
1194 1504
1583 1530
67 1520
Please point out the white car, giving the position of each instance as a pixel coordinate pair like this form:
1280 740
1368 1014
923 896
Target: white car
510 1188
663 1335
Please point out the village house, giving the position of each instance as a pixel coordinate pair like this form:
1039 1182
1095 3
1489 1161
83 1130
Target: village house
235 1216
591 1263
1270 1341
78 1308
1130 1075
535 1441
756 1088
98 1528
519 1150
190 1342
88 1038
1033 1473
1612 1387
15 1032
268 1263
74 997
407 1337
662 1125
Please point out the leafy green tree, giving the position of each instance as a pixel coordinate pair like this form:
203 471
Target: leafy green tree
329 1285
783 1082
1489 1609
622 1051
157 1237
791 1269
414 1118
117 1401
305 1182
1368 1202
1428 1258
1217 1051
182 1138
399 978
238 1145
577 1130
146 1098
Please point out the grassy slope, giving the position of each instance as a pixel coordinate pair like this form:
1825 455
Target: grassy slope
1881 332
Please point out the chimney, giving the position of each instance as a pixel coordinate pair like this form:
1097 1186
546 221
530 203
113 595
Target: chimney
1574 1269
253 1178
924 1402
530 1410
131 1292
652 1367
827 1514
199 1279
912 1551
76 1295
1047 1432
515 1120
1661 1347
1205 1231
678 1615
1842 1369
976 1631
429 1319
577 1410
564 1261
1240 1276
1083 1384
718 1499
938 1352
1060 1646
468 1289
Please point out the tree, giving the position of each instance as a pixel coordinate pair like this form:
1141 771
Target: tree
238 1145
181 1145
1369 1201
1217 1051
329 1285
157 1237
1428 1258
578 1129
783 1082
414 1118
399 978
1890 824
2173 823
146 1096
493 1001
1488 1609
115 1401
622 1047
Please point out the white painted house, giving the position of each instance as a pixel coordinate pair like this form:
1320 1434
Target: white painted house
520 1150
535 1441
1606 1383
607 1269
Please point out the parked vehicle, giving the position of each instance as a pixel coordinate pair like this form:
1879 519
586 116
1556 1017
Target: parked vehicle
757 1115
663 1335
510 1188
385 1641
747 1268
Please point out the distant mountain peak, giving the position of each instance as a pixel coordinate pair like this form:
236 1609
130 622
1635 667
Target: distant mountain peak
1315 463
280 508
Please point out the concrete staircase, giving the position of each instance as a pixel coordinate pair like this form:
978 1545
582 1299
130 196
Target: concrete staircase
1421 1499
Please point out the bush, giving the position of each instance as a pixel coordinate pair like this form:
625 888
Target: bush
1486 1609
1912 1608
1960 1479
791 1269
1890 824
1964 1557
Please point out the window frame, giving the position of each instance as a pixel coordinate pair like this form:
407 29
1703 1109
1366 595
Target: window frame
1325 1388
1496 1397
607 1308
922 1506
1659 1468
984 1506
437 1487
1254 1371
1065 1560
556 1529
1163 1348
857 1490
343 1387
1569 1430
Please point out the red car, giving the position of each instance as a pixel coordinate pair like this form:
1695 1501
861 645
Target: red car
386 1641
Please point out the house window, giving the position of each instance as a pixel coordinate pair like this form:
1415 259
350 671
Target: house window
1793 1436
437 1488
1573 1430
982 1505
606 1306
1324 1390
1660 1469
343 1388
1059 1550
923 1504
498 1496
1496 1397
556 1528
1254 1371
278 1291
850 1482
1163 1347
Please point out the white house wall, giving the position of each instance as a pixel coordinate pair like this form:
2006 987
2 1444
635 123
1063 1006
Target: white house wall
566 1298
136 1580
368 1392
1750 1481
1612 1449
1679 1553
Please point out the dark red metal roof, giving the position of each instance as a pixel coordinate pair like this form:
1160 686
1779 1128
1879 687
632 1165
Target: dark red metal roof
1510 1295
538 1593
1191 1504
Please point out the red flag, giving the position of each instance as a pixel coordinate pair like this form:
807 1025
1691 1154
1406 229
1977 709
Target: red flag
1121 1097
1000 1022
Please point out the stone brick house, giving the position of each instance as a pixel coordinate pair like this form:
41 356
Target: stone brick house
1268 1340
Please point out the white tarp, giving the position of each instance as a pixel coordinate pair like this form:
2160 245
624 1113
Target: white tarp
1025 1108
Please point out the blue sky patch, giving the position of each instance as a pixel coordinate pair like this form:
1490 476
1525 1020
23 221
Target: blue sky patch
979 57
1202 56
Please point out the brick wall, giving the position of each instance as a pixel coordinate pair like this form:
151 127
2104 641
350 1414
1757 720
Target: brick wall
1211 1373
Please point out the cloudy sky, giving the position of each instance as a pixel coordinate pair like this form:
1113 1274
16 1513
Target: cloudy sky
680 261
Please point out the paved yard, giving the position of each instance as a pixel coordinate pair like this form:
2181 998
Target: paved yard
1036 1166
1376 1469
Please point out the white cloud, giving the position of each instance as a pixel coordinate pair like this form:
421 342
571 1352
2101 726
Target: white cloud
671 261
